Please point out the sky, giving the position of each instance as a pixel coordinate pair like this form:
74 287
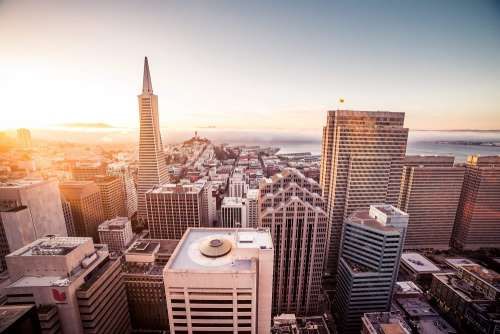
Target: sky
250 64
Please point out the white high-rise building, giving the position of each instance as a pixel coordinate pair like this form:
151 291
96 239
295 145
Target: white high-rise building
372 243
220 281
233 212
152 164
121 170
252 206
238 185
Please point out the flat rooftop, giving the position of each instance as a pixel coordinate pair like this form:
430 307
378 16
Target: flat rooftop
149 246
50 246
170 188
191 253
416 307
363 217
9 314
118 223
388 322
455 262
407 287
20 183
232 201
419 263
487 275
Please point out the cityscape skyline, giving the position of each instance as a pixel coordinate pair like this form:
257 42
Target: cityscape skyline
259 219
436 63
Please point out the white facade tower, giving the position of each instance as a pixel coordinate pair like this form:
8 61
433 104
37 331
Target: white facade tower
152 164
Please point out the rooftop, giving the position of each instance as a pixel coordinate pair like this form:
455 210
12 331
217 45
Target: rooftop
416 307
487 275
407 287
9 314
232 201
204 249
386 323
463 288
455 262
169 188
418 263
20 183
118 223
50 246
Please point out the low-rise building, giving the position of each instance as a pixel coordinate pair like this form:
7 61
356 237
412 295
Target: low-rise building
418 267
116 233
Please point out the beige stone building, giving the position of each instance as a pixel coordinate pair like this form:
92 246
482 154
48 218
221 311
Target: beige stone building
477 224
75 276
173 208
430 191
292 208
362 155
220 281
85 201
87 171
116 233
112 196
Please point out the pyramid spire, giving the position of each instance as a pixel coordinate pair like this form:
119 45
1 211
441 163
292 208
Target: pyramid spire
147 86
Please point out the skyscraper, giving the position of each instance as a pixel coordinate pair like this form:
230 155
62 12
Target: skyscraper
43 200
112 196
130 192
372 242
86 207
292 207
28 210
362 155
24 138
152 164
220 281
430 190
477 223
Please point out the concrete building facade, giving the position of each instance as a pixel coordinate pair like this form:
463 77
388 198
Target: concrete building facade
85 201
75 276
292 208
477 221
372 243
233 212
252 205
122 171
143 277
43 200
362 156
429 193
112 196
173 208
220 281
116 233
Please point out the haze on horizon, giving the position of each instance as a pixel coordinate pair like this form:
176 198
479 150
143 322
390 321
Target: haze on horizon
251 64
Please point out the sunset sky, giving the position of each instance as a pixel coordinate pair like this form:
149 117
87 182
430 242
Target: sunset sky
250 64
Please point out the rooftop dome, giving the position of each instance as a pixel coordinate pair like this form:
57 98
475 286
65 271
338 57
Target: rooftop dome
215 247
